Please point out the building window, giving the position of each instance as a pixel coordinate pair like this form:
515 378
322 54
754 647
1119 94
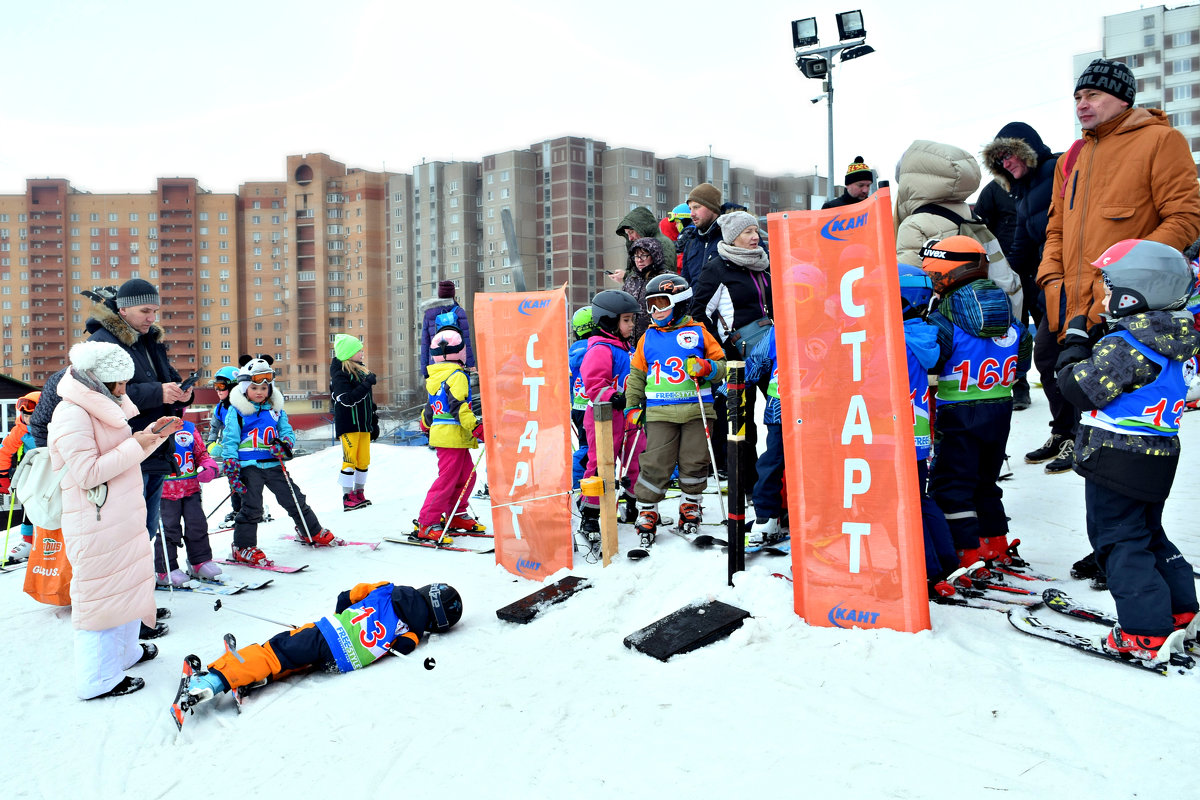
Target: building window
1147 22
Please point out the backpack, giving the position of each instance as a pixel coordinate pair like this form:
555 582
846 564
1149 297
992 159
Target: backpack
1000 272
38 487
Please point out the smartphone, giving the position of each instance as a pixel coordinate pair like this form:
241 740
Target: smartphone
190 382
164 426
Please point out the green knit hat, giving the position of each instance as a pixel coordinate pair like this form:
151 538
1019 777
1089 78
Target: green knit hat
345 346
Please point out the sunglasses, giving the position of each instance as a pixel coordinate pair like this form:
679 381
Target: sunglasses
260 378
1001 158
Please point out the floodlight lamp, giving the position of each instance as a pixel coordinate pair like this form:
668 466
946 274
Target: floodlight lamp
858 51
813 67
804 32
850 25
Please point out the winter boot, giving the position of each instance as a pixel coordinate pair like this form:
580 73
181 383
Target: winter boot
230 520
1146 648
176 578
250 555
1049 450
434 532
20 551
149 653
207 571
994 549
362 498
1020 395
1064 461
589 524
321 538
1086 568
146 632
765 532
128 685
352 500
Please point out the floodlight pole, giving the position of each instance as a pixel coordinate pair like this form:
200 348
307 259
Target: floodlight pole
827 53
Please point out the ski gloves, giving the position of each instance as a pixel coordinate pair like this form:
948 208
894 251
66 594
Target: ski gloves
233 471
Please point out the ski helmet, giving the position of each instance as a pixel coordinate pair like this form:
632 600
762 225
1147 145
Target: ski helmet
28 402
672 288
447 345
953 262
227 375
916 290
681 213
255 368
445 606
1144 276
581 322
609 305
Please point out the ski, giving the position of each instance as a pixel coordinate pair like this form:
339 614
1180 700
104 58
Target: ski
1018 567
239 694
776 547
222 588
269 567
437 545
336 542
1021 574
182 702
1027 623
971 602
1060 601
692 535
14 566
987 593
643 548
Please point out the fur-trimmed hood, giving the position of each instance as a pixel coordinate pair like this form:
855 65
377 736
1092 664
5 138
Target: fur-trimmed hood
238 399
1023 142
105 317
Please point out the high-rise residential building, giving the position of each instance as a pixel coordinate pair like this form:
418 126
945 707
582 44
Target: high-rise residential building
1162 47
57 241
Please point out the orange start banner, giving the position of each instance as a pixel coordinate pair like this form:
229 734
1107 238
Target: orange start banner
525 388
857 546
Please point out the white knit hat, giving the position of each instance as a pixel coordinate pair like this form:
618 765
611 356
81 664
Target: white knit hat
108 363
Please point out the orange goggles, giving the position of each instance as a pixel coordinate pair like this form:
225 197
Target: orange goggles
262 377
26 406
222 385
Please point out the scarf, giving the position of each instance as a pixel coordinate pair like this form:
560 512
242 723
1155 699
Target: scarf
90 381
754 259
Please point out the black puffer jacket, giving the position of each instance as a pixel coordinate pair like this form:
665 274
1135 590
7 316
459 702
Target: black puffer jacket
1031 193
728 296
39 420
151 368
353 404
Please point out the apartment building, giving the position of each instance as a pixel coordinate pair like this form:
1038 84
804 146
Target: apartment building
56 241
1162 47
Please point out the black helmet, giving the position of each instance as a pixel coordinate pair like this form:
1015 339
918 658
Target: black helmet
609 305
675 289
1145 276
445 606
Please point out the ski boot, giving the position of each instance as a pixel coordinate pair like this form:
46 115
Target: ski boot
19 551
995 549
969 558
1145 648
434 532
647 522
322 538
589 527
1189 623
765 532
465 523
628 510
690 516
250 556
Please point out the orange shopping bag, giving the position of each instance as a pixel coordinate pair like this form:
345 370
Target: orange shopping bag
48 576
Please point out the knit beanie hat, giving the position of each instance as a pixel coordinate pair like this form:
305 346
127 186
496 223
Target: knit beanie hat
857 171
346 346
106 362
1110 77
708 196
446 289
733 223
137 292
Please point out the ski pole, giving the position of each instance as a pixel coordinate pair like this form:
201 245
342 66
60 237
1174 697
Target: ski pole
218 505
711 454
475 466
218 606
162 543
299 510
12 502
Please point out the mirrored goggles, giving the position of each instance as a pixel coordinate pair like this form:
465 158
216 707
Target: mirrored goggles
260 378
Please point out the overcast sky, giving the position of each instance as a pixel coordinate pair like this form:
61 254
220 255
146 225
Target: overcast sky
113 95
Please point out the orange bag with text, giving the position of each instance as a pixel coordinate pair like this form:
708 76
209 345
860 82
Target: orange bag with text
48 576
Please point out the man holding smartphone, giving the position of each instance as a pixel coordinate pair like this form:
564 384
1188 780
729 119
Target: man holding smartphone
128 321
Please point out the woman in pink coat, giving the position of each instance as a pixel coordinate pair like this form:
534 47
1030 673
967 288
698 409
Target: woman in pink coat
112 584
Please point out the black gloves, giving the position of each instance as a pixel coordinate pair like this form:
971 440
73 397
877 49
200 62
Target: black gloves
1077 343
618 401
370 378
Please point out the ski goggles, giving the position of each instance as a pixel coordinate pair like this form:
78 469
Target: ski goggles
260 378
26 406
435 600
222 385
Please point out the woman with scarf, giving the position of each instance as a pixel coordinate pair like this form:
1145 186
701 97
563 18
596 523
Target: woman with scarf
733 300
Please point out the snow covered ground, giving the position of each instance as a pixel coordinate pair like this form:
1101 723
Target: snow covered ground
560 707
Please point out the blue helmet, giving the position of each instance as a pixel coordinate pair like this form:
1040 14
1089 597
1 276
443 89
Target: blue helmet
228 374
916 290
